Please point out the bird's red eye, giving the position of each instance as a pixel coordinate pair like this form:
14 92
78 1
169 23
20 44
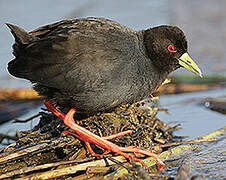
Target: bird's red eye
171 48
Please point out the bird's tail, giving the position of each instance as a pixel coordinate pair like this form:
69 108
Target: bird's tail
18 66
20 35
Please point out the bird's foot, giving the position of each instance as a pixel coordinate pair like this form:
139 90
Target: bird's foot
89 137
64 133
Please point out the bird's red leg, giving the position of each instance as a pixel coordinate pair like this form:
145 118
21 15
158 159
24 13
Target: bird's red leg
117 134
89 137
60 115
104 137
87 145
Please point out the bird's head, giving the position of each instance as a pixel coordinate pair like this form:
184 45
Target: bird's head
167 47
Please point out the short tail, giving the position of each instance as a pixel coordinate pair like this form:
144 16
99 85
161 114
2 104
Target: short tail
20 35
17 67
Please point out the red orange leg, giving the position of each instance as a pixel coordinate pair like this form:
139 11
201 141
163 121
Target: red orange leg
132 159
104 137
64 133
117 135
59 114
92 152
141 151
89 137
87 145
112 147
52 109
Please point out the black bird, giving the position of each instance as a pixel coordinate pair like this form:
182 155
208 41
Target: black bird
95 64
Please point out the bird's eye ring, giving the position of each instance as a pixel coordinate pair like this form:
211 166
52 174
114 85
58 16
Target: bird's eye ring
171 48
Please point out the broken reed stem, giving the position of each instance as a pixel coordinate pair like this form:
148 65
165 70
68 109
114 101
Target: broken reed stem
40 167
70 169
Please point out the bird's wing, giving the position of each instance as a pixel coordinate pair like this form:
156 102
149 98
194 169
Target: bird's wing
72 51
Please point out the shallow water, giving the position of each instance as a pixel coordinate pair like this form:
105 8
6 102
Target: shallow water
204 23
195 119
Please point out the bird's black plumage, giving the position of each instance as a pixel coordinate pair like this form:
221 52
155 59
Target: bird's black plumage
95 64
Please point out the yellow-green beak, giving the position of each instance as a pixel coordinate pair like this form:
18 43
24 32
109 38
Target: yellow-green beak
186 61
